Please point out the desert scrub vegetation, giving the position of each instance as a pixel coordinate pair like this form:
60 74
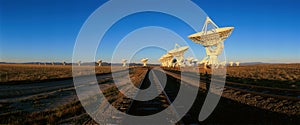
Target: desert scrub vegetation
273 75
59 114
31 72
270 75
44 117
288 72
70 113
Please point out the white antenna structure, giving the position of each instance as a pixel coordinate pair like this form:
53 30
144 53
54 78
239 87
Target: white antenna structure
124 62
189 61
79 63
231 63
144 61
178 52
166 60
99 62
213 41
163 62
237 63
195 62
63 63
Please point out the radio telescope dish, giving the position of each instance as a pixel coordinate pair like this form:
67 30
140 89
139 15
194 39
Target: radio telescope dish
79 63
189 61
178 52
99 62
213 41
163 61
195 62
144 61
63 63
124 62
231 63
167 59
237 63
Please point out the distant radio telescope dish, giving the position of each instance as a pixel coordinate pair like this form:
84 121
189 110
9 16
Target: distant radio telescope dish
237 63
189 61
231 63
79 63
124 62
195 62
144 61
99 62
178 52
213 41
63 63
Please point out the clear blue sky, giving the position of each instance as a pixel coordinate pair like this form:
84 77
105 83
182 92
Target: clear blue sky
46 30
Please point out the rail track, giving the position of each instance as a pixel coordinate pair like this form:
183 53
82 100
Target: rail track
158 104
164 99
280 93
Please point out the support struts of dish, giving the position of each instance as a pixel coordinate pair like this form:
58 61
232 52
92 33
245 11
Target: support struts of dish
211 37
213 41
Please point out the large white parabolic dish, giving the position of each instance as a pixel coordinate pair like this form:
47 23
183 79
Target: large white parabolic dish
211 37
167 56
179 50
124 60
166 60
144 60
213 41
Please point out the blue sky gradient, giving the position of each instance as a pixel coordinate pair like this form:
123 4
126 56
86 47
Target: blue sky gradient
46 30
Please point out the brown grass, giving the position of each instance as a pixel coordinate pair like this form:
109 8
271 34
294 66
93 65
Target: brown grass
271 75
54 116
61 113
31 72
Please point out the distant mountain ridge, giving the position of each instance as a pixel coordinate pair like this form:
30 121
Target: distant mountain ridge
252 63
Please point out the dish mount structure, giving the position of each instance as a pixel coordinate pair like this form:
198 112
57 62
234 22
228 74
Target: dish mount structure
166 60
189 61
124 62
178 52
144 61
79 63
99 62
63 63
213 41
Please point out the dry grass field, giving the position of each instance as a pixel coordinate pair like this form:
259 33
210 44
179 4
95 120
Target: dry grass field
270 75
273 75
31 72
283 72
59 105
36 109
